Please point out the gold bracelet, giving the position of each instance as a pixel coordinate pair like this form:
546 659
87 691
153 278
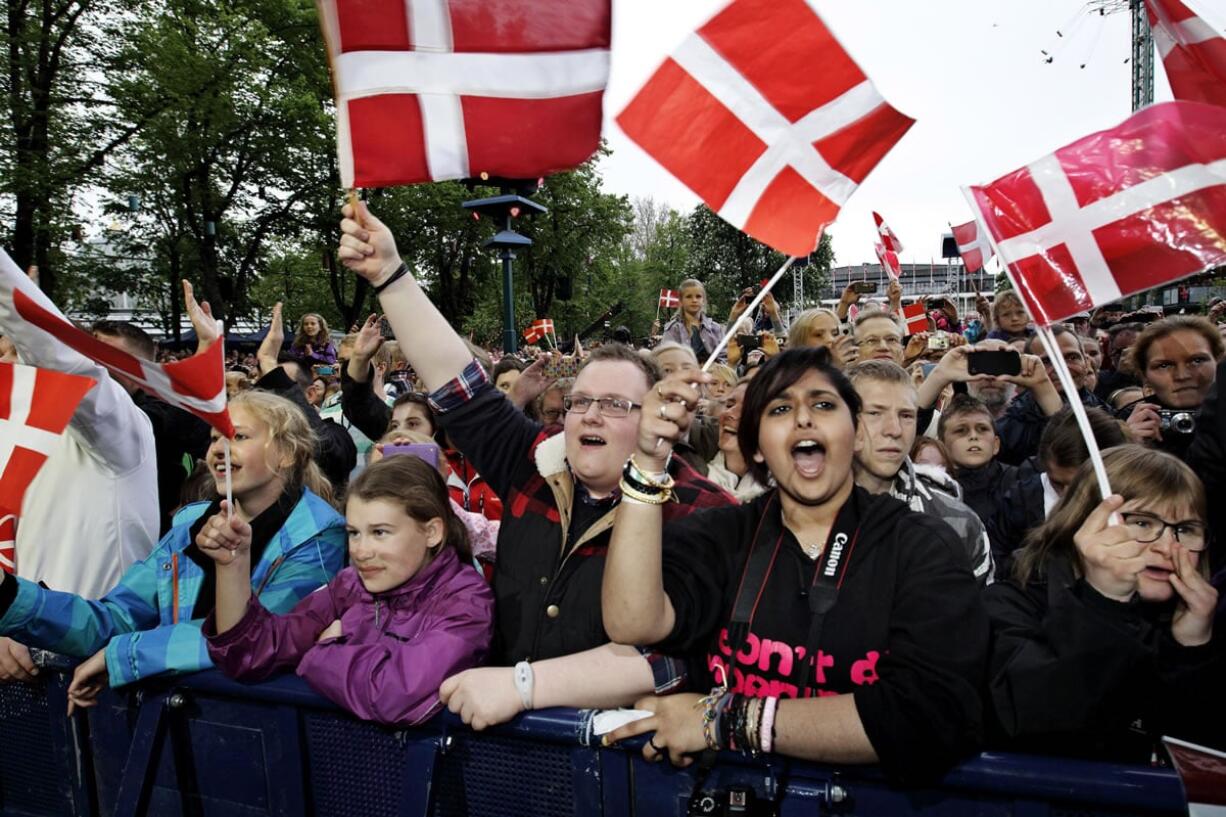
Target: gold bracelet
654 480
635 494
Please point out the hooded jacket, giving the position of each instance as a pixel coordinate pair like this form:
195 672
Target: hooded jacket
930 490
1022 424
1073 672
907 635
983 487
552 537
397 647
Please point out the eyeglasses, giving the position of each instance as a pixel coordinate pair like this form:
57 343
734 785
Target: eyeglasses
1149 528
609 406
884 340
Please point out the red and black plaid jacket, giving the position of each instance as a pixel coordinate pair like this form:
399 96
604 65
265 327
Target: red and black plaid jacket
547 588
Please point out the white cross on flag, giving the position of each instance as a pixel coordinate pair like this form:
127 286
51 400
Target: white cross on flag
889 261
973 246
8 543
1116 212
35 408
670 299
916 318
767 119
428 90
1193 52
886 235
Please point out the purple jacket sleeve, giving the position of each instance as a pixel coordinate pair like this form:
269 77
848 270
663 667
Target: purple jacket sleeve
262 644
394 682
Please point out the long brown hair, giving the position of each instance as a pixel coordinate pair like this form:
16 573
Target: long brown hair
412 485
1135 472
321 337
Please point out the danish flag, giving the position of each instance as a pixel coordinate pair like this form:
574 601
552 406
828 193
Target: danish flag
973 246
538 330
196 384
887 237
35 408
767 119
889 261
1193 53
1114 213
8 543
428 90
916 318
670 298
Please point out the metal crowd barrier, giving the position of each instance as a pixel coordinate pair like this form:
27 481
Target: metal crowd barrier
205 745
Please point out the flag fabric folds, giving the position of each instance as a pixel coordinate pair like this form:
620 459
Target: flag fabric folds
1116 212
428 90
886 235
36 406
1193 52
670 299
888 260
8 543
767 119
973 246
196 384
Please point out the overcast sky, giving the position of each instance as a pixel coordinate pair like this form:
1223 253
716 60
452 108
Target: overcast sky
971 73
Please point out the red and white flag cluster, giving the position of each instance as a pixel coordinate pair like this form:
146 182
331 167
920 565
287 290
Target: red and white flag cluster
889 261
1193 52
36 406
767 119
670 299
1117 212
886 236
428 90
973 246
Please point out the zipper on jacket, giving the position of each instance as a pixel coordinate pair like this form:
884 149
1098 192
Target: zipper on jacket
174 589
378 604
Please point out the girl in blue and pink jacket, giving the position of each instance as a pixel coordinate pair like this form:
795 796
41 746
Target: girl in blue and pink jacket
408 612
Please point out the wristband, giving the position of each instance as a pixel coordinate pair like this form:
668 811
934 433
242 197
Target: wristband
525 680
400 272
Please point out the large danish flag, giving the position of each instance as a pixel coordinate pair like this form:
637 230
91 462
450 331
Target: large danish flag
428 90
973 246
1114 213
35 408
767 119
1192 51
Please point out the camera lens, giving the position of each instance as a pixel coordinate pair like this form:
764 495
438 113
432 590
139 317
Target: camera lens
1183 423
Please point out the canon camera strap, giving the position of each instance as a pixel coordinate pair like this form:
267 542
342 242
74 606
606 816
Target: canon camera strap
821 592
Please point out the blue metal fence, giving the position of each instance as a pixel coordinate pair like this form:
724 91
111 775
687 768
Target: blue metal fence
208 746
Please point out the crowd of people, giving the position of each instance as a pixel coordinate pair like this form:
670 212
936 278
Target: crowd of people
839 542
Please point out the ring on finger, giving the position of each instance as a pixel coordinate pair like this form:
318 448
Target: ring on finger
662 411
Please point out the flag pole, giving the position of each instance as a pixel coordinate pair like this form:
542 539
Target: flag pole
225 448
754 304
1048 340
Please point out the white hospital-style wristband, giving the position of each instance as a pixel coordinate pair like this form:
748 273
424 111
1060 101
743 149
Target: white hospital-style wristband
524 682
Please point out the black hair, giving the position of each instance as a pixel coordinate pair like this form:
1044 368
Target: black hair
509 363
1063 445
418 399
137 339
773 378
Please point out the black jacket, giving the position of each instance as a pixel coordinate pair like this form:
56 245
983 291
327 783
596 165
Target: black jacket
1019 510
1207 457
1172 442
907 635
176 434
984 487
553 538
335 452
1022 425
1073 672
362 407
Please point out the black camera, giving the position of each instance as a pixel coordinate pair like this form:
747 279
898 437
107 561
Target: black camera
1177 421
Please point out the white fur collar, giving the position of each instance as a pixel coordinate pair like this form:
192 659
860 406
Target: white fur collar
550 455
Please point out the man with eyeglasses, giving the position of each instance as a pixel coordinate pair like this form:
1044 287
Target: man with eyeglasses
1021 426
559 494
879 336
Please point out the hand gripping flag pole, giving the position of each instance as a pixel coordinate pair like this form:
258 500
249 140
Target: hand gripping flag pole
1061 368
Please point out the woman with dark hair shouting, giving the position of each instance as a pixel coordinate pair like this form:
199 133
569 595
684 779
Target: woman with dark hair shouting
838 626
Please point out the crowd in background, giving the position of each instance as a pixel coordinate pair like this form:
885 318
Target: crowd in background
844 542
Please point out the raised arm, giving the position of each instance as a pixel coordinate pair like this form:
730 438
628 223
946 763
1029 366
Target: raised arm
432 347
636 608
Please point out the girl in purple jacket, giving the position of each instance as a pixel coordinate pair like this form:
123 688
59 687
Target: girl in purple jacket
407 613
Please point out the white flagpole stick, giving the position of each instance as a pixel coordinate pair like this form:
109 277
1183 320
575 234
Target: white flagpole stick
1074 400
1057 360
754 304
225 447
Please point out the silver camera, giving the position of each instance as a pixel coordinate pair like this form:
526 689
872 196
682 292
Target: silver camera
1177 421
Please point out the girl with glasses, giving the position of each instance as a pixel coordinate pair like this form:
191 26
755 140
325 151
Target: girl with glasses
1103 641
